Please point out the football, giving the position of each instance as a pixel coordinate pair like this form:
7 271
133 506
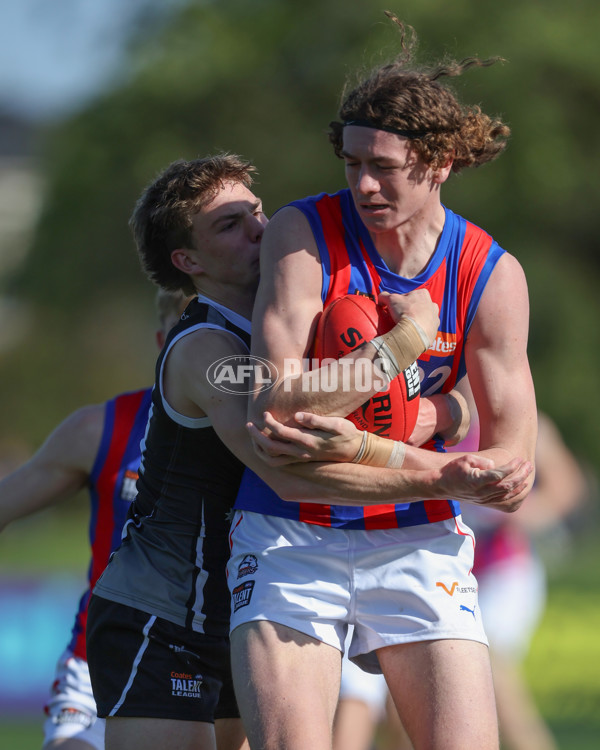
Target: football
344 325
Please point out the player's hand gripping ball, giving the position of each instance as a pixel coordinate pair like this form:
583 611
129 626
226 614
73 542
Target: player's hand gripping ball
346 324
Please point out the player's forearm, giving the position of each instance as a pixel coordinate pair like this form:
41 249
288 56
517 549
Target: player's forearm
352 484
15 504
335 389
511 432
469 478
30 490
335 385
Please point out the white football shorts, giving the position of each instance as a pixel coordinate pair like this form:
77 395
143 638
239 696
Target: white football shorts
394 585
71 708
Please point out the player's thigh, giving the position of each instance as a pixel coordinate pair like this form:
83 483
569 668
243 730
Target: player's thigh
287 684
158 734
444 693
231 735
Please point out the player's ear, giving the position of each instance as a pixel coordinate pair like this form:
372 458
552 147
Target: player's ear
441 174
186 261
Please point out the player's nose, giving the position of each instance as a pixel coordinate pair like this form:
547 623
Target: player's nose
256 224
366 184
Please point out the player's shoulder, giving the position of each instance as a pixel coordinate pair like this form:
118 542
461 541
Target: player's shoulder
503 310
203 346
507 272
86 417
286 226
288 215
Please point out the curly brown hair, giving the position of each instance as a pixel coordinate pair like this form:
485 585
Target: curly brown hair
162 218
401 97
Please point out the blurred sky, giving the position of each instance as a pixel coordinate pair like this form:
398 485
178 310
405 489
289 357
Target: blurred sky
56 53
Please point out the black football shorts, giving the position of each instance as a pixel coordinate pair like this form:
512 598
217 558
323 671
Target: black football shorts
147 667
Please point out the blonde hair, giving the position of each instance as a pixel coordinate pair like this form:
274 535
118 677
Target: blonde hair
170 304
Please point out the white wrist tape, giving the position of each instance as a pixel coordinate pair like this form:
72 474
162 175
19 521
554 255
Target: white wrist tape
396 458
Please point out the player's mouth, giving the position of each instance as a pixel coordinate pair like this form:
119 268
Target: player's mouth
373 208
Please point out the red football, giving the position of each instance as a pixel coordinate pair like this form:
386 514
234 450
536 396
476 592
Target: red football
349 322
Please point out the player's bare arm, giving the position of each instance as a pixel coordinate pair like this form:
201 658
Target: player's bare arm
285 316
188 391
468 478
498 368
444 414
59 468
315 437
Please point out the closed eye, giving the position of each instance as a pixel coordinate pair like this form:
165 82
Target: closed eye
227 226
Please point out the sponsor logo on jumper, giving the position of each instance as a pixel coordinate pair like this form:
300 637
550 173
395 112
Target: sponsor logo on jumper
443 346
73 716
128 488
248 566
185 685
241 595
358 293
455 587
466 609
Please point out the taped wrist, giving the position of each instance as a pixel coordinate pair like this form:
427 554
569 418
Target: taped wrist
461 418
400 347
377 451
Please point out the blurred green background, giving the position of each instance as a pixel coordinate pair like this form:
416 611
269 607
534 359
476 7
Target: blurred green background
264 79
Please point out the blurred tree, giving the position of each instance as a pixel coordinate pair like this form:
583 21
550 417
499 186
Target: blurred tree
264 79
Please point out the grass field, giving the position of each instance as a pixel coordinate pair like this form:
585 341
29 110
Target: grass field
563 666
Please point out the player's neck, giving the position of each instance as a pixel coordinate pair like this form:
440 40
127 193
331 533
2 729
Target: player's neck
240 301
408 248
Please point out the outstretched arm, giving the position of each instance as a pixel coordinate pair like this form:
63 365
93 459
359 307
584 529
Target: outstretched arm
58 469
